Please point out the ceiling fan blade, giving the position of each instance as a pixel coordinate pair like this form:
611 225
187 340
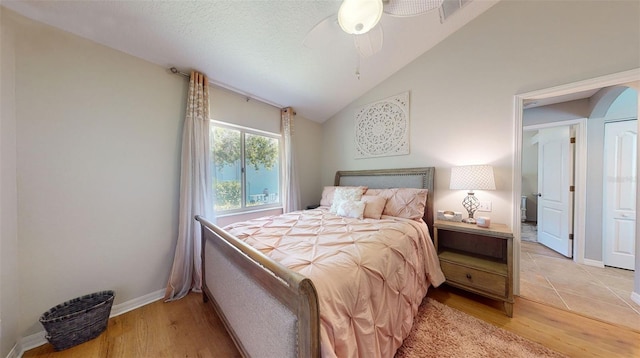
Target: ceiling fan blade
323 34
370 42
403 8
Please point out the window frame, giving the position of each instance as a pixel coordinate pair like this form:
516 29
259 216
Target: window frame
243 168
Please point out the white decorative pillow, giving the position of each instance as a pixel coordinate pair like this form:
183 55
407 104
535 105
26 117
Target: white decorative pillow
352 193
374 205
329 191
350 208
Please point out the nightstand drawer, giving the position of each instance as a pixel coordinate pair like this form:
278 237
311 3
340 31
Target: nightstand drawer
480 280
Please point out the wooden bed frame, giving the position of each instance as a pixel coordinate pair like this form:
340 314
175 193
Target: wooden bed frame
268 309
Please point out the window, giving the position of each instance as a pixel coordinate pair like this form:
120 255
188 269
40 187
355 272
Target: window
246 168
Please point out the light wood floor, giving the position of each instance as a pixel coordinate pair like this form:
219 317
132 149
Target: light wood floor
189 328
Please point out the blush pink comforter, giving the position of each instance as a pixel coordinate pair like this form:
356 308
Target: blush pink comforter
370 275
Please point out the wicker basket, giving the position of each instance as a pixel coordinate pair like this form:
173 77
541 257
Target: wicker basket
78 320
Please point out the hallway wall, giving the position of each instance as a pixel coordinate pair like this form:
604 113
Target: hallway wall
530 173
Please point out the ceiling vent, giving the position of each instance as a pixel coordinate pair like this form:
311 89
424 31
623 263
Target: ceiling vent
449 7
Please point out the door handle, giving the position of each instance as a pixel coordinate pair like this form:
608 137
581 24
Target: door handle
539 195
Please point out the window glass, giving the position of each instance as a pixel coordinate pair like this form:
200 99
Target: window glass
263 172
228 168
247 168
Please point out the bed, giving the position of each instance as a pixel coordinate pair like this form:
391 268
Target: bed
325 282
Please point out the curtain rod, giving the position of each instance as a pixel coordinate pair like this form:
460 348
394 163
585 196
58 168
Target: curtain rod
228 88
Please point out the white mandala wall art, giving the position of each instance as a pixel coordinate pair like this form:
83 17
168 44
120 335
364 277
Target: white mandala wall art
382 128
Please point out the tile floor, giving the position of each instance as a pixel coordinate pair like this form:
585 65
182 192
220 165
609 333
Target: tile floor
603 293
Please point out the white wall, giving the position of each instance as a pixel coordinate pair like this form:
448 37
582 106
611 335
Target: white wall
97 169
9 289
625 106
462 90
565 111
307 140
98 144
232 108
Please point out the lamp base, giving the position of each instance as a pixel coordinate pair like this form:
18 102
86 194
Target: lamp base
469 221
470 203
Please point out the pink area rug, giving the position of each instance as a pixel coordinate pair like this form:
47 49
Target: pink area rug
442 331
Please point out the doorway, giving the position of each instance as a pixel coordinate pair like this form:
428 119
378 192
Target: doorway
547 160
554 159
553 278
523 252
555 196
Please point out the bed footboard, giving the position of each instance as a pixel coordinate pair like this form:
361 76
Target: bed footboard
268 309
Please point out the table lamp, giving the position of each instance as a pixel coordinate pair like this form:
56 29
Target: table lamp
470 178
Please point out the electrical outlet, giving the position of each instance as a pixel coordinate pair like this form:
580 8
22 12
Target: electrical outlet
484 206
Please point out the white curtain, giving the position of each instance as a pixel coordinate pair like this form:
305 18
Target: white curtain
196 191
291 197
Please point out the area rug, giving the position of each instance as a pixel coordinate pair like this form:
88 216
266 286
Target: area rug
442 331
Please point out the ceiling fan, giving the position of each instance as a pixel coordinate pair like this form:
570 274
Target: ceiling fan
361 18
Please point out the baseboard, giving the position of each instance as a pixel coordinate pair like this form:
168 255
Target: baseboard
131 305
594 263
32 341
635 297
38 339
13 353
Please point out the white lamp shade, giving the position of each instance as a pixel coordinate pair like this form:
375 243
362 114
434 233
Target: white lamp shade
359 16
472 177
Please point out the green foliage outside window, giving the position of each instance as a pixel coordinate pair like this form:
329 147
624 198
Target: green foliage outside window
260 150
258 180
226 146
228 195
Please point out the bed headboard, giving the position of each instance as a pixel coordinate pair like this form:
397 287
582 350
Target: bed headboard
393 178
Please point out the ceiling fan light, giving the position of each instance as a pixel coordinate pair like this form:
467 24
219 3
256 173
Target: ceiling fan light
359 16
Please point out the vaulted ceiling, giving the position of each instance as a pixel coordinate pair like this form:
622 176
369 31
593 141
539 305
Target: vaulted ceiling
269 50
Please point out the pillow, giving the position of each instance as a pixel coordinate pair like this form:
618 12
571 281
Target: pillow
374 205
374 192
350 208
353 193
408 203
328 193
405 203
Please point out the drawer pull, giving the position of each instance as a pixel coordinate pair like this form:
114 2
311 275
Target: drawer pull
469 276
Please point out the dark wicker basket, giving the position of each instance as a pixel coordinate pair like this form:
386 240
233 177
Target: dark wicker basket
78 320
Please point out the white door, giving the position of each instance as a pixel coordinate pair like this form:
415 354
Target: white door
555 172
619 227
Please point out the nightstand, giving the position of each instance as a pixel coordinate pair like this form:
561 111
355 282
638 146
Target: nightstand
476 259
